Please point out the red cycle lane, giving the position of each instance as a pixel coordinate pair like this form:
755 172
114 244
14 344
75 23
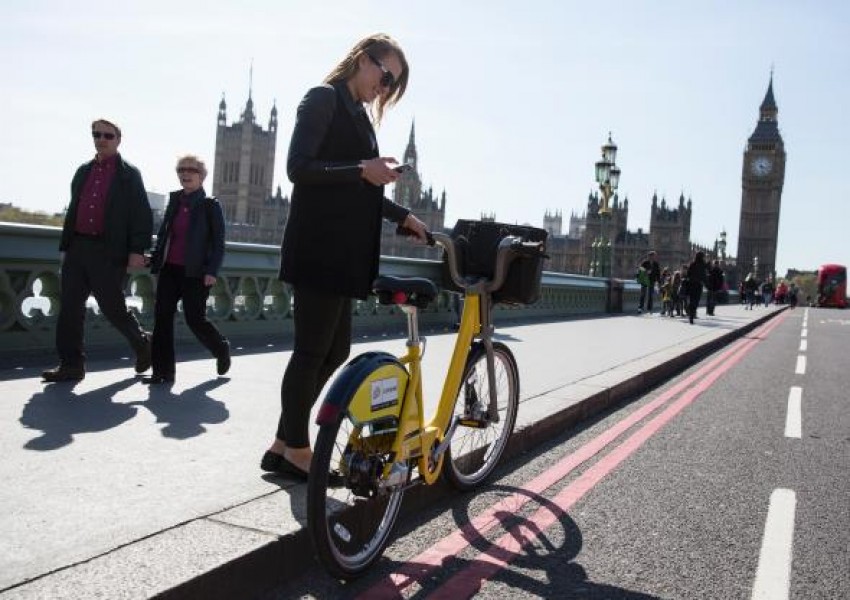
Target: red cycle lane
466 582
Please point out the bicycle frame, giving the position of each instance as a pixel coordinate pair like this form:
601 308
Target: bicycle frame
416 438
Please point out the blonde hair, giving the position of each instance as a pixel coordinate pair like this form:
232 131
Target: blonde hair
196 162
379 46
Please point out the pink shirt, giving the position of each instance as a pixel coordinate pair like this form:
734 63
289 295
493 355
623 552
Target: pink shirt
91 208
179 231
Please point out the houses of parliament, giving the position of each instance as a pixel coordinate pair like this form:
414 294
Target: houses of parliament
244 166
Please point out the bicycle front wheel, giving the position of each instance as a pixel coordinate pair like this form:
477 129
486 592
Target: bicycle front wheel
479 440
349 515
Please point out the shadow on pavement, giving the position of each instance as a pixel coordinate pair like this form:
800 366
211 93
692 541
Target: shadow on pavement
59 413
186 413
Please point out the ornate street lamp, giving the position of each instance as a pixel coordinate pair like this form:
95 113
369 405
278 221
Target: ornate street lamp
608 178
721 245
756 267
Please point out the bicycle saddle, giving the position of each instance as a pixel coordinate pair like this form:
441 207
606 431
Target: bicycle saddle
416 291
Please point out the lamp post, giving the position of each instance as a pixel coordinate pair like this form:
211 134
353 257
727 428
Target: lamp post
721 246
756 267
608 178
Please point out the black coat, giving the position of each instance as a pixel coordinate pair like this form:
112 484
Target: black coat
128 219
332 240
204 240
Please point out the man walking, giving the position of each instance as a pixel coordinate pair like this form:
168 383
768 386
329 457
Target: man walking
649 273
107 229
714 285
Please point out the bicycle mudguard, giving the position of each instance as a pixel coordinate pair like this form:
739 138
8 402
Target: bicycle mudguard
370 387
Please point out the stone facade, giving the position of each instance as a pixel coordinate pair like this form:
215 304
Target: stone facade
587 242
242 177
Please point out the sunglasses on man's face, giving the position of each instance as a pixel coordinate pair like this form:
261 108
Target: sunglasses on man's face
387 78
102 134
194 170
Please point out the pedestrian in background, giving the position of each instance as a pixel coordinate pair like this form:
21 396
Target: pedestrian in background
649 274
107 230
713 286
751 286
767 291
188 255
332 240
697 275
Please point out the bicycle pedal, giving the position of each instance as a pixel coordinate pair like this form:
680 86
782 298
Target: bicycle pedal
474 423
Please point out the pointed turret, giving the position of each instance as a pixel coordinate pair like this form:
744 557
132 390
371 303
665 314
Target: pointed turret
222 112
767 128
410 154
273 118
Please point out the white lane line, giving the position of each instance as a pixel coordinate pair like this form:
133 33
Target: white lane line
794 418
804 333
801 365
773 576
804 345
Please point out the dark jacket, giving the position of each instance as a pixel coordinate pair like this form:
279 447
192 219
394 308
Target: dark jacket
332 240
128 218
715 279
697 276
653 269
204 240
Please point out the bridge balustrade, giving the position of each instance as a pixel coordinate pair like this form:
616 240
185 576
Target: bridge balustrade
247 300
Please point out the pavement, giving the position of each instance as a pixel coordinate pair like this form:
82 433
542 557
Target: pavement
113 489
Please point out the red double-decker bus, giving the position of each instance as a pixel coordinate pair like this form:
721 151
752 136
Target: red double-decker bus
832 286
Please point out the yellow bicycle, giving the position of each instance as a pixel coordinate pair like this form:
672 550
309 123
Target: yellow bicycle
374 441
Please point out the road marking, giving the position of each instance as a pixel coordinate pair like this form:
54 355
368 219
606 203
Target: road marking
801 365
804 344
420 567
794 418
773 575
804 333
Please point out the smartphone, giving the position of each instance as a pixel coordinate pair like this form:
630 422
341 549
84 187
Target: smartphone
403 168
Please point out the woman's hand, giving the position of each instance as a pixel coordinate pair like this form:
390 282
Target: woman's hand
416 226
209 280
379 171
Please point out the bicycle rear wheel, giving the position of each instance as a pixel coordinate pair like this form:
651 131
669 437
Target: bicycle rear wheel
350 517
478 441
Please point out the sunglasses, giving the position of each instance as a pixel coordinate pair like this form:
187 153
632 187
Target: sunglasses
102 134
188 170
387 79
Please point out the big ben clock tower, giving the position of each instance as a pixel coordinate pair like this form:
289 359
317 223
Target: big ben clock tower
761 181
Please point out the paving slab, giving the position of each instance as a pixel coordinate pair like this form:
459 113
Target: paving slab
114 489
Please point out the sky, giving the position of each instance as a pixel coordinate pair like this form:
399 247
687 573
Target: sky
511 100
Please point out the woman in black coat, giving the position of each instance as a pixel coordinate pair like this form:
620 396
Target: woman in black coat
188 255
331 245
697 274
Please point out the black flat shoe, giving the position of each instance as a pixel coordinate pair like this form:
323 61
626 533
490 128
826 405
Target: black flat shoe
276 463
64 373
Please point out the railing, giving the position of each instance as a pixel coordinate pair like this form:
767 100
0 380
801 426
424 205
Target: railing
248 299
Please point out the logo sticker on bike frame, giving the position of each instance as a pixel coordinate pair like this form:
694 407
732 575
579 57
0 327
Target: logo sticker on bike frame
384 393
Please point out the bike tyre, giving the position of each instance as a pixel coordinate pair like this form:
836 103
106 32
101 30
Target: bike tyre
461 469
334 552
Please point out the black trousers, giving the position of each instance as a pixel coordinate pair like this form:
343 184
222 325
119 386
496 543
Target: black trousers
710 301
693 301
87 271
646 293
171 286
322 343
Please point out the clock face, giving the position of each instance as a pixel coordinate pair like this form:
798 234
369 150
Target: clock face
761 166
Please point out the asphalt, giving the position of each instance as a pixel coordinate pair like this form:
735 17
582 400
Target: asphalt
113 489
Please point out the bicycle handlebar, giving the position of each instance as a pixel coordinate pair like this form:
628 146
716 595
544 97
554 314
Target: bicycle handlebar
504 256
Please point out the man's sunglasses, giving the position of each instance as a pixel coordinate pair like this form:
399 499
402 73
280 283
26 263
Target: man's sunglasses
102 134
387 79
188 170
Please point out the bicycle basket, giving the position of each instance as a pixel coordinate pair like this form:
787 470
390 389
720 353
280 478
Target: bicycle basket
477 243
